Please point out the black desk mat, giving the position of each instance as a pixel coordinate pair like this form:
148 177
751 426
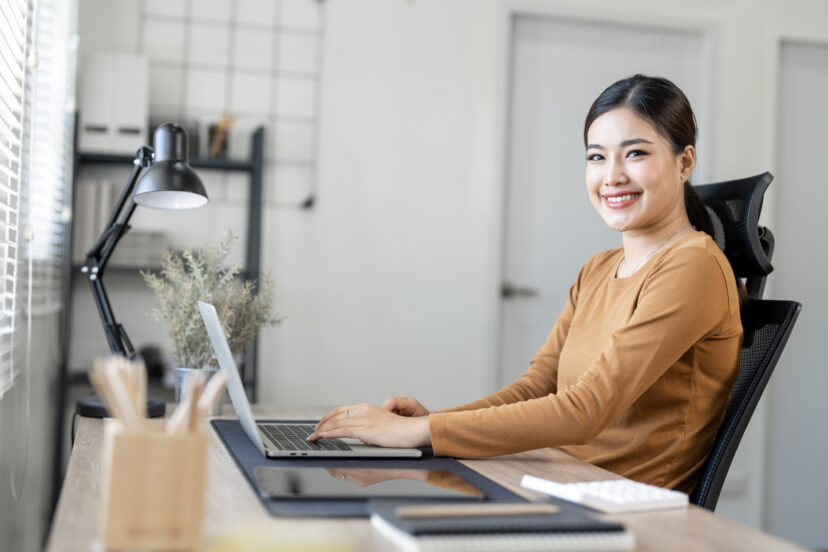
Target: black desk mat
248 458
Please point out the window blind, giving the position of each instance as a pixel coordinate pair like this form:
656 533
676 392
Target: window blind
37 74
14 47
52 130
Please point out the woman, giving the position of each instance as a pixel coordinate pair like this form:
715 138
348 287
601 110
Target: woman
636 373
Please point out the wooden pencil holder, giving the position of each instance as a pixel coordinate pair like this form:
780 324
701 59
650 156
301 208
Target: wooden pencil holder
153 487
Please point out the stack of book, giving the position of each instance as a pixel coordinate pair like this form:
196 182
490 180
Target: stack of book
94 202
512 527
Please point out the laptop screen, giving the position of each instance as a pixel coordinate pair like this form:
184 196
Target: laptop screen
234 383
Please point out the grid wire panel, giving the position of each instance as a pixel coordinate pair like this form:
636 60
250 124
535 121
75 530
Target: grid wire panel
277 85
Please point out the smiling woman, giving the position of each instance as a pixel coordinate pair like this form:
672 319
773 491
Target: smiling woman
635 375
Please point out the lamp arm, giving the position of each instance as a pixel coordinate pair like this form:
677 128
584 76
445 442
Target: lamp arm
143 159
99 254
115 233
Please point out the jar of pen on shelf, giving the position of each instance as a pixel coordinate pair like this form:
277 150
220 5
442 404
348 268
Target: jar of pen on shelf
152 492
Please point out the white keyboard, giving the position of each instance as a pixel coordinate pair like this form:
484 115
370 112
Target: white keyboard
615 496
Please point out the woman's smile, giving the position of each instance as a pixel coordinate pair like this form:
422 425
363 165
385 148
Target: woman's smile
620 200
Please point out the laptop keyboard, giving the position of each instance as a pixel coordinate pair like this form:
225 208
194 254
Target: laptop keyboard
292 437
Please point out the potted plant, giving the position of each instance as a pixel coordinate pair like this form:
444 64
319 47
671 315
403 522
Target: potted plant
189 276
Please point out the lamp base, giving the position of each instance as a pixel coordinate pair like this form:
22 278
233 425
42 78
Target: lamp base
93 407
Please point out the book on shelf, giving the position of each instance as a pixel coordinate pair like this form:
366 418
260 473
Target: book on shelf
84 219
95 200
495 530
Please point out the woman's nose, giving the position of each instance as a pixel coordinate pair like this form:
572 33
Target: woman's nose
615 174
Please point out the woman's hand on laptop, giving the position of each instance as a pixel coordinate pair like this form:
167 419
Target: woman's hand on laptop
374 426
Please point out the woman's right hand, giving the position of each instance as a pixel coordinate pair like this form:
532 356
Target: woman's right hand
405 406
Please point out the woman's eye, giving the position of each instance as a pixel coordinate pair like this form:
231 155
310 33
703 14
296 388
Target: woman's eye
594 157
637 153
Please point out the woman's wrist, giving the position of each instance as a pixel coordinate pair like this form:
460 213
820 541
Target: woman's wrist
423 431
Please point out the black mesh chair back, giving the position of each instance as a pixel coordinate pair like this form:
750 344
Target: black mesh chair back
767 325
734 207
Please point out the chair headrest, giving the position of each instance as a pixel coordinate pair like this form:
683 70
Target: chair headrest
734 207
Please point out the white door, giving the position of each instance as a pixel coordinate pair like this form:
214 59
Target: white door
558 67
798 444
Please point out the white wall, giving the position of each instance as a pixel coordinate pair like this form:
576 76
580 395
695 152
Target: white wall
390 283
385 282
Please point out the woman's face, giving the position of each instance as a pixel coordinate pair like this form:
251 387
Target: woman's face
634 180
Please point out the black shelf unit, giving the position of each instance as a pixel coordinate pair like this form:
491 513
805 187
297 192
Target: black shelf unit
254 166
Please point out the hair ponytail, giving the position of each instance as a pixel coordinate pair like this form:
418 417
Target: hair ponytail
700 219
696 210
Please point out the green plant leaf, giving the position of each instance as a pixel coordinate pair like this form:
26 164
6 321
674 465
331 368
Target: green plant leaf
189 276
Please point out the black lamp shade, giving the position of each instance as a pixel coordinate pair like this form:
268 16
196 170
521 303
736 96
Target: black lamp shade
170 182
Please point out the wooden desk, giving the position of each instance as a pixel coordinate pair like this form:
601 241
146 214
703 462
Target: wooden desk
231 501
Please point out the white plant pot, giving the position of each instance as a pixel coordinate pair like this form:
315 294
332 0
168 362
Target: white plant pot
182 376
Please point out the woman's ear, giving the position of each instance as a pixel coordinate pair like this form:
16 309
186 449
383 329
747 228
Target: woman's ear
687 160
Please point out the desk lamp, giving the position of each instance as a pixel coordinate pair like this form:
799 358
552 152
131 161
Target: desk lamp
161 179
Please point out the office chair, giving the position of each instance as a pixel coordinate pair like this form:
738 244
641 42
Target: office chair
734 207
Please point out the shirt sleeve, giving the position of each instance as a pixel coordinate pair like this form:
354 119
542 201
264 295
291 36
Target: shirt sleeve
542 376
680 303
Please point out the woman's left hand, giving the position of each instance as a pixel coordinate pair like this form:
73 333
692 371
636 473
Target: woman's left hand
373 426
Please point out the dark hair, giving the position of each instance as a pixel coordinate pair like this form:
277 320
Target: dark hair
663 105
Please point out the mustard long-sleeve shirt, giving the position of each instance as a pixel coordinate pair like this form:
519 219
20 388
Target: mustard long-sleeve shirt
634 377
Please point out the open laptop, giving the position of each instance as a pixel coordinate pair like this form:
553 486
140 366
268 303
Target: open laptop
283 439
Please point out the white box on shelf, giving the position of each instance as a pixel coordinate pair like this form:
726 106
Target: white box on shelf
114 103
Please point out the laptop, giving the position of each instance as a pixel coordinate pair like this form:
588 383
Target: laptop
282 439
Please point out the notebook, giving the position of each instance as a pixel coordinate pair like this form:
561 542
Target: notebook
566 530
283 439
